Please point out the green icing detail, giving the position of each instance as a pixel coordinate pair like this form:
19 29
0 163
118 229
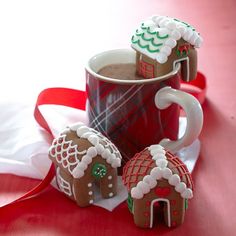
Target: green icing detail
188 25
162 37
150 40
145 47
152 33
130 202
99 170
186 204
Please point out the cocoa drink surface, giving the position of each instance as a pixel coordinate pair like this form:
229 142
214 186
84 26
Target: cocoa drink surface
122 71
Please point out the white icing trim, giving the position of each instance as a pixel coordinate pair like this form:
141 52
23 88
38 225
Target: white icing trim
101 146
168 210
183 59
161 171
164 25
63 185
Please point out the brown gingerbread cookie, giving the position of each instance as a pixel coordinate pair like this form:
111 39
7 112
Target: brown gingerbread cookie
161 42
84 157
154 178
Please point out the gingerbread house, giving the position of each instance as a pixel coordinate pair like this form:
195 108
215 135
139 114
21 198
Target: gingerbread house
156 176
84 158
161 42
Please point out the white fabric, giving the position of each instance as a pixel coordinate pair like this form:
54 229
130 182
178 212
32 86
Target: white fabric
24 144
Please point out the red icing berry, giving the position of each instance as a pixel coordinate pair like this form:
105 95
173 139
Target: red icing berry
175 213
148 203
162 191
146 213
172 202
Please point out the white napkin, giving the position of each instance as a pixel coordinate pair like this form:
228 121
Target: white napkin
24 144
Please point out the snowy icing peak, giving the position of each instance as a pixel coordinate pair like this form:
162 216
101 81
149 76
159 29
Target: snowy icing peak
157 36
67 154
160 171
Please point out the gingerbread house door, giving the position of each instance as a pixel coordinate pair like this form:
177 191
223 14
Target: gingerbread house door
167 202
146 69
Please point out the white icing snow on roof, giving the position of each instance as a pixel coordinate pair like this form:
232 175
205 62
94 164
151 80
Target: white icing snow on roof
156 37
100 146
160 171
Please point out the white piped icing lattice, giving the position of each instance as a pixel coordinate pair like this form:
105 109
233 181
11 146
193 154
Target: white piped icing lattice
156 37
160 171
67 154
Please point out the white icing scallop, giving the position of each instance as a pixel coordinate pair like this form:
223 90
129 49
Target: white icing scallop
156 173
188 193
116 163
99 148
75 126
143 187
167 173
162 163
86 159
136 193
77 172
82 166
81 130
181 187
171 25
66 152
174 180
92 151
166 50
175 34
150 181
161 58
171 43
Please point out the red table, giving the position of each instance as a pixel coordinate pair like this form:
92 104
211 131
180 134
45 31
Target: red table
213 209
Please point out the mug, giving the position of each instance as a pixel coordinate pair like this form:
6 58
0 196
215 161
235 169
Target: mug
135 114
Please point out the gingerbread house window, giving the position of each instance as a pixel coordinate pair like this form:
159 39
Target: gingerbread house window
146 69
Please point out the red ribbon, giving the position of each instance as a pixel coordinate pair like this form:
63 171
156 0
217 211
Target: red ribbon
77 99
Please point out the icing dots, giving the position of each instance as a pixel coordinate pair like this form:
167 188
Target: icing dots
76 162
157 36
157 173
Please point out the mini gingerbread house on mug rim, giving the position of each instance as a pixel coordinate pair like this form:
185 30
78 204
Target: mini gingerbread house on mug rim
156 176
84 157
161 42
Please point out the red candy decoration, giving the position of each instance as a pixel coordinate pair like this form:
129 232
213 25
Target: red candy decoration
172 202
175 213
162 191
146 213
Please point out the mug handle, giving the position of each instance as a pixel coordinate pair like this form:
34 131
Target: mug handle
193 110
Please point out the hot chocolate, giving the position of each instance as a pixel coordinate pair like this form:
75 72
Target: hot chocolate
122 71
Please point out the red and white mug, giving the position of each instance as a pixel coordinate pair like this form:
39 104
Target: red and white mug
137 113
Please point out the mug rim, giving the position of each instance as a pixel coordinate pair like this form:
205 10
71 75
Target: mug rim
119 81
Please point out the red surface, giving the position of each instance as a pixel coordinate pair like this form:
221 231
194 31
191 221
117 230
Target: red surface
212 210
